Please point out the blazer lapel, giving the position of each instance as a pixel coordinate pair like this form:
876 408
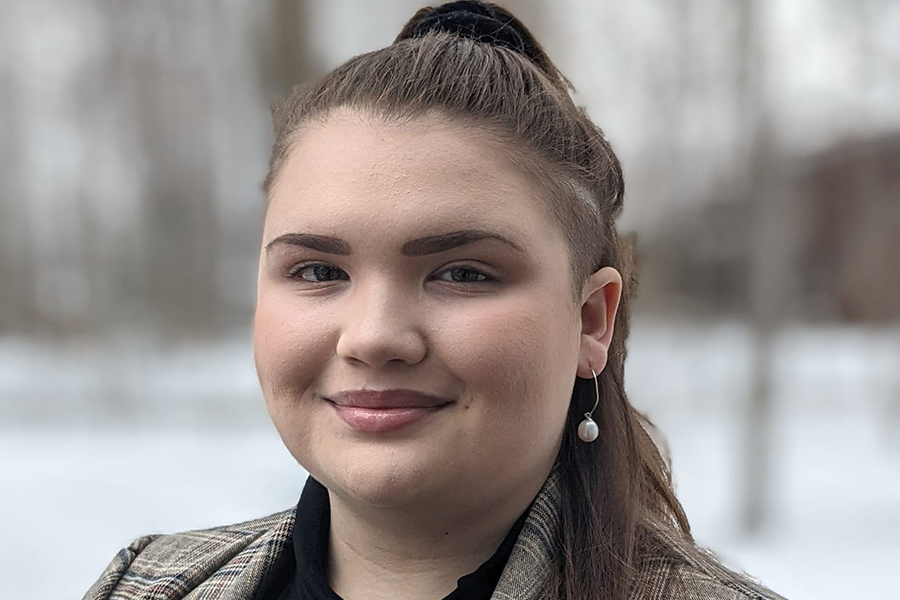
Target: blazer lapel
527 571
239 578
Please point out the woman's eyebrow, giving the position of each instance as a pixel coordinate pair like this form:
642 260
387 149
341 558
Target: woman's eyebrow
431 244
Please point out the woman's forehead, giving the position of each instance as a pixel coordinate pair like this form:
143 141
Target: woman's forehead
424 170
349 150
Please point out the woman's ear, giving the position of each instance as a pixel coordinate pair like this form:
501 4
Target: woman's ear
600 301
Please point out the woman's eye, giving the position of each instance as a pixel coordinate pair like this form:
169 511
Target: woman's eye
466 275
314 273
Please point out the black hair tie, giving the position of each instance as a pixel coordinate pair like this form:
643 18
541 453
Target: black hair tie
476 21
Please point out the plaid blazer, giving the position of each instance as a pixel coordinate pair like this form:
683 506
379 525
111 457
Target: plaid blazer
229 563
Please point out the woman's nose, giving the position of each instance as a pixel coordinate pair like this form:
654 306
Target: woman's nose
380 325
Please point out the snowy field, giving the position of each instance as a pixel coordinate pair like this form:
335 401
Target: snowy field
83 474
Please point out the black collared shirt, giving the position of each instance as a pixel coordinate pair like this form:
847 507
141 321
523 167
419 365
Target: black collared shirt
302 569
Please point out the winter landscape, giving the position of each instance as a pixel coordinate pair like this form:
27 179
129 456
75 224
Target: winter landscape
760 141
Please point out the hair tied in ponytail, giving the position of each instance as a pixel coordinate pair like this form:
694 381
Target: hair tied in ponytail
477 21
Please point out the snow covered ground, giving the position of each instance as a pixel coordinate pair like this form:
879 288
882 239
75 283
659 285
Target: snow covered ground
82 475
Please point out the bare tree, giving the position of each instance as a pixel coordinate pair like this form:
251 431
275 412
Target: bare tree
295 60
772 256
16 263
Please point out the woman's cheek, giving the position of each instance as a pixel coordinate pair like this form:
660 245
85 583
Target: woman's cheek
288 338
498 350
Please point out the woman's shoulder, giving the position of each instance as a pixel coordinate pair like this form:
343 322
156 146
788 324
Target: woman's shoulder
672 567
171 565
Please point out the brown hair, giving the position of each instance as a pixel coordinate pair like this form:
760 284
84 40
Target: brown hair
486 70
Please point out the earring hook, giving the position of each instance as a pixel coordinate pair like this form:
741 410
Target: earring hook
597 391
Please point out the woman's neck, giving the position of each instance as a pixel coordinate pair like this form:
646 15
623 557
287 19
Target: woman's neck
387 553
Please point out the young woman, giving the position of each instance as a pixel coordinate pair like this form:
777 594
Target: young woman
440 339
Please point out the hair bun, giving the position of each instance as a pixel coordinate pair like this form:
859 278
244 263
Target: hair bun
477 21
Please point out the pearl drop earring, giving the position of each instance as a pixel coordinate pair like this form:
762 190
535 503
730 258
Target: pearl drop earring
588 430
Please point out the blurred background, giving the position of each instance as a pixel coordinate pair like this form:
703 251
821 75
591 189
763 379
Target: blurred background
761 147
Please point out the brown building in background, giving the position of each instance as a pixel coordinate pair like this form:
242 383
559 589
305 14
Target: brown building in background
845 254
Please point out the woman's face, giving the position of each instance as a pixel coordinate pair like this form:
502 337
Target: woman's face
364 284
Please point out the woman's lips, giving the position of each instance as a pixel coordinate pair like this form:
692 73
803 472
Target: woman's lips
382 420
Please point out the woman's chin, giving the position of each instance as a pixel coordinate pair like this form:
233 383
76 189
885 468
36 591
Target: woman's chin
384 480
